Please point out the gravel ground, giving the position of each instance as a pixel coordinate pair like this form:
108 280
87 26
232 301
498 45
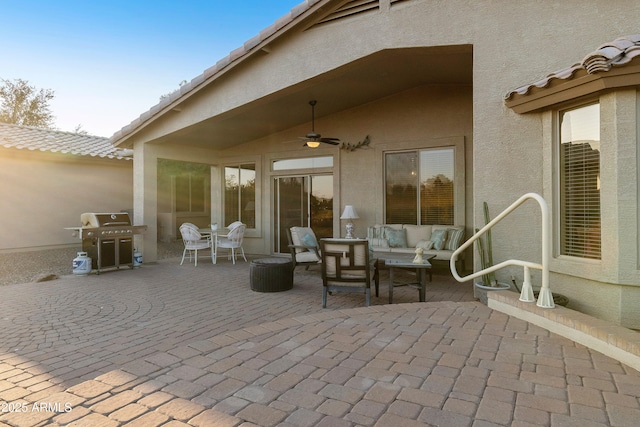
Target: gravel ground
34 266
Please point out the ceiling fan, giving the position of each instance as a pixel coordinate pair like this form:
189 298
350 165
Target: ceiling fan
314 139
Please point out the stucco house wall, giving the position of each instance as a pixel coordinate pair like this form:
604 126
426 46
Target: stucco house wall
506 154
42 192
439 116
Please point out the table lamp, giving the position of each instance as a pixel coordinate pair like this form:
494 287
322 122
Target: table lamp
349 213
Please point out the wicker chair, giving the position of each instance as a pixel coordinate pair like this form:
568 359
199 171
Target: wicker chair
193 242
346 267
233 241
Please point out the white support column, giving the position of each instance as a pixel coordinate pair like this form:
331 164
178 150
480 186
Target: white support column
145 199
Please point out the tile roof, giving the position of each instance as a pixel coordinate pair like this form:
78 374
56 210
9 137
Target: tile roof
617 53
37 139
219 66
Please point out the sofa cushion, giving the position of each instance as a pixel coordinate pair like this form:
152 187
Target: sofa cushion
307 257
416 233
425 244
439 237
396 238
442 255
378 243
411 251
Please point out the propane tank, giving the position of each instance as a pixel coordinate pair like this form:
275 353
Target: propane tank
137 258
82 264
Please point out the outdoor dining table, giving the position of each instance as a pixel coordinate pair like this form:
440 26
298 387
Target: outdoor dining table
421 273
211 235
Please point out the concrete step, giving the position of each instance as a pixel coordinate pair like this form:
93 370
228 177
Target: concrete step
615 341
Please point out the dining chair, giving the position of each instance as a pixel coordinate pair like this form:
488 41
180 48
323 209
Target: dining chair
193 242
232 241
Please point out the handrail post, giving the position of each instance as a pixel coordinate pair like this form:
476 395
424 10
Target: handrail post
526 295
545 298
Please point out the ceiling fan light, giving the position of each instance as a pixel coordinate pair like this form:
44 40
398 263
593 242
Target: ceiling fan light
313 144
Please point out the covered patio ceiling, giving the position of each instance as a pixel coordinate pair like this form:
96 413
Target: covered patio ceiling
376 76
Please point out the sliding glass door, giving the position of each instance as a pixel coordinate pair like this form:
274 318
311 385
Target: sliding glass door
303 201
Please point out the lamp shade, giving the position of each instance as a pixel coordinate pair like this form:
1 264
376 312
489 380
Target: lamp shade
349 213
313 144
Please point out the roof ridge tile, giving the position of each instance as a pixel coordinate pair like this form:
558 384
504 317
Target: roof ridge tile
234 55
619 52
55 141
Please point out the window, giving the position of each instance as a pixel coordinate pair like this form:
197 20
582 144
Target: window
303 163
579 168
240 194
420 187
191 193
183 187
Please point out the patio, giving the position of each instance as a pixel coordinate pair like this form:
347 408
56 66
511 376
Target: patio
196 345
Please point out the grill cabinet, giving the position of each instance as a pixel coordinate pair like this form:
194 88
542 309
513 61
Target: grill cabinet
107 238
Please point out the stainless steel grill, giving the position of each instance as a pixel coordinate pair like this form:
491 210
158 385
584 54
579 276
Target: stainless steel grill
108 239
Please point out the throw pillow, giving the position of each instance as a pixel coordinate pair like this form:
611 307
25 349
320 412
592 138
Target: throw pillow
396 238
438 237
309 241
376 232
454 238
425 244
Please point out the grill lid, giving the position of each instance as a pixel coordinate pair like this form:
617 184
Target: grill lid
116 219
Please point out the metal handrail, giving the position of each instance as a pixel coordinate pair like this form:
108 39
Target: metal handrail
545 298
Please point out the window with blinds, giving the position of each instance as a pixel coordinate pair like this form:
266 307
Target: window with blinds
420 187
580 182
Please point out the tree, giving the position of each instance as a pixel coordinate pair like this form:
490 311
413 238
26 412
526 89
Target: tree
22 104
78 129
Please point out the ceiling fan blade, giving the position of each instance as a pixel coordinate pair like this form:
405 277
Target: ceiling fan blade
332 141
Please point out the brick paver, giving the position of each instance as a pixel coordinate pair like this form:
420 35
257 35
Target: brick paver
170 345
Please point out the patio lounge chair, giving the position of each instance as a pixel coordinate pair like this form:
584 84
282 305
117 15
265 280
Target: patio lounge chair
346 267
303 246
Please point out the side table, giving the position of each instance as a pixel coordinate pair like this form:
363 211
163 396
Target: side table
421 270
271 274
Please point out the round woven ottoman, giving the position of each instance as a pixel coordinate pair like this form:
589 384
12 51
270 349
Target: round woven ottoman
271 274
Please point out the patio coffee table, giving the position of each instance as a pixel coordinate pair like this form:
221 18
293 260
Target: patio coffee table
421 270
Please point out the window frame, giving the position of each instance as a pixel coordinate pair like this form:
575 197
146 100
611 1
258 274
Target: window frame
418 152
239 167
562 248
568 264
190 176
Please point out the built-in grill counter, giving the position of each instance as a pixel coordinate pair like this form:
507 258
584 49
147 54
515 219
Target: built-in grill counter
107 238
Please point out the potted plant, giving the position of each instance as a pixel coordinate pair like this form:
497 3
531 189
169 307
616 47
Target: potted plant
485 252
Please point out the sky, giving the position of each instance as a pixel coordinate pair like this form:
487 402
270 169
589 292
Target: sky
110 61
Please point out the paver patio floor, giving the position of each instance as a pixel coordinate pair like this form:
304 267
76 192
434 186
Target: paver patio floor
174 345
